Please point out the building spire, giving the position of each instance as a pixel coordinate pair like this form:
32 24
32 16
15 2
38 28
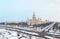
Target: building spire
33 14
34 17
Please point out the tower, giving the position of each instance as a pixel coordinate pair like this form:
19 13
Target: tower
34 17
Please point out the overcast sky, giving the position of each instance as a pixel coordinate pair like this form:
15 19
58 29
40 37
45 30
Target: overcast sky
16 10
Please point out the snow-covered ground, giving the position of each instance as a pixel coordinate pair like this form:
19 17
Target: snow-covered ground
6 34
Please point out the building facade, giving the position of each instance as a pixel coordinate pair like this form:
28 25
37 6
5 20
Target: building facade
34 20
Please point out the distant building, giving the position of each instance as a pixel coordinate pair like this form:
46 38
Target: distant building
34 20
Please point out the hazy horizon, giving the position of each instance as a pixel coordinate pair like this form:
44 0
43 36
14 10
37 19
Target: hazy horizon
16 10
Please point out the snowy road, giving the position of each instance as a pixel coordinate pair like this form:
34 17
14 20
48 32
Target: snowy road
6 34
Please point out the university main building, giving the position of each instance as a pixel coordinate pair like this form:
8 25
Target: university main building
35 21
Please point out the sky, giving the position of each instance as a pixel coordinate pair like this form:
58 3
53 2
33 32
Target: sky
18 10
